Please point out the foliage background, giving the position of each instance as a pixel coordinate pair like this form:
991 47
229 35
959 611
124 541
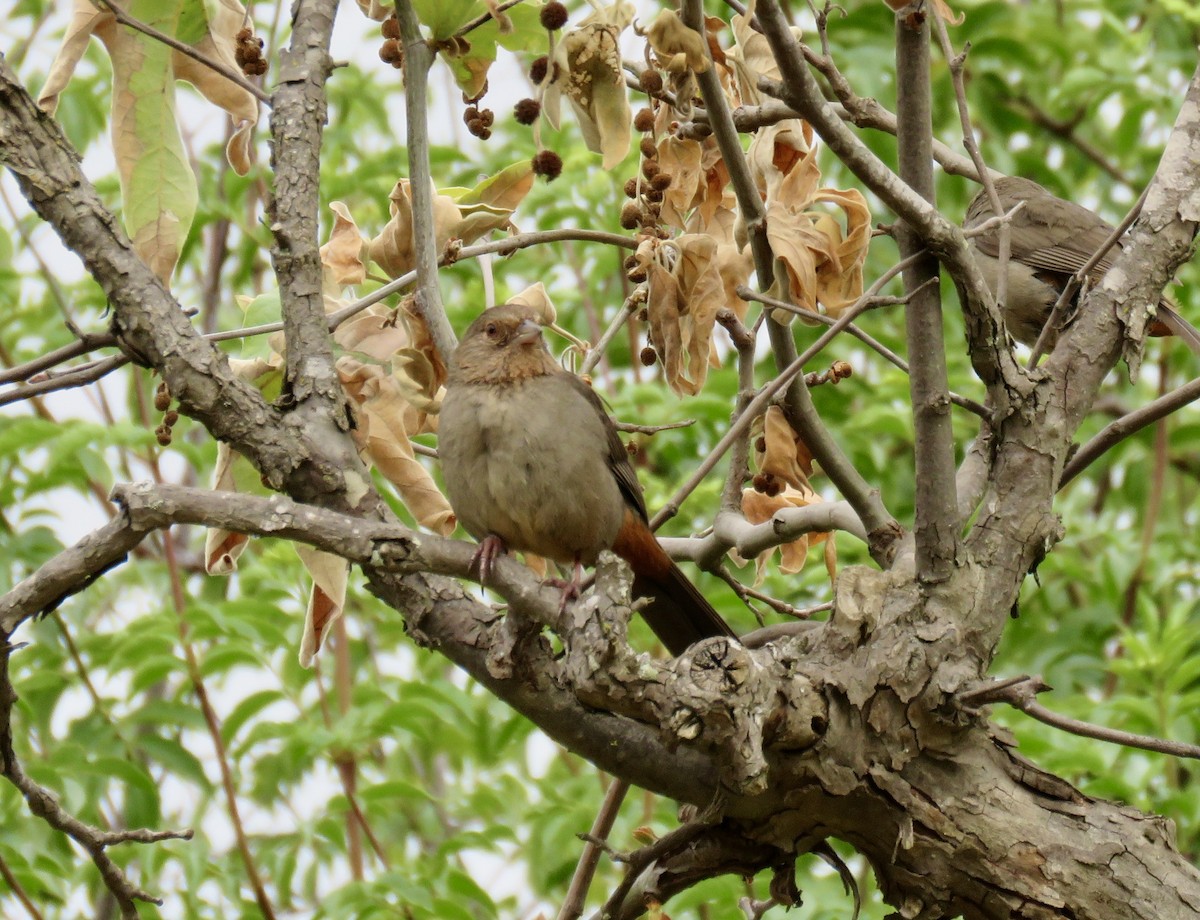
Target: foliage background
475 812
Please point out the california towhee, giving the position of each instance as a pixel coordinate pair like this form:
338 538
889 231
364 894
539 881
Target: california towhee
1050 240
532 462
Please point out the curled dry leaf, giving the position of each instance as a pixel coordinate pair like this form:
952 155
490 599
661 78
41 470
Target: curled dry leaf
326 599
677 47
591 77
233 473
685 291
535 298
752 58
823 258
759 508
392 250
374 9
341 257
783 455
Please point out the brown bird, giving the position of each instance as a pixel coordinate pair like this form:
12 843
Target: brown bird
1050 240
532 462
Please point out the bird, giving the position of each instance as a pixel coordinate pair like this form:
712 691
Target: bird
532 462
1050 240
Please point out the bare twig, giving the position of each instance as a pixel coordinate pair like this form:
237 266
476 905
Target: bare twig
418 57
15 887
936 506
1021 693
1116 432
45 805
589 859
231 75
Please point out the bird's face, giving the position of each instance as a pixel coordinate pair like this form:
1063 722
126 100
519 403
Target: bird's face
505 343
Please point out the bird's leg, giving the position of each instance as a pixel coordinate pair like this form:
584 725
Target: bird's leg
490 549
572 588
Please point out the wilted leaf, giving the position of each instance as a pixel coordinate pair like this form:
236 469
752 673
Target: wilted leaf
326 598
386 420
158 187
536 299
784 454
341 257
759 508
677 47
590 74
392 249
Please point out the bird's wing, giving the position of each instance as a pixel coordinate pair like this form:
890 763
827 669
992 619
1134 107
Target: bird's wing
618 456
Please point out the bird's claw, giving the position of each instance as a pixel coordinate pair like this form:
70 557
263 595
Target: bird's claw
483 561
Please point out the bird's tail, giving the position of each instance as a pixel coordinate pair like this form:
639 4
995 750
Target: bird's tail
678 613
1176 325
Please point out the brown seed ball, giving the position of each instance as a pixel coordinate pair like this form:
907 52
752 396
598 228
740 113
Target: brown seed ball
488 117
651 81
760 482
842 370
245 34
549 164
260 67
630 262
637 275
526 111
239 57
390 27
631 215
648 148
476 126
538 69
484 133
661 181
644 121
631 188
171 418
553 15
648 356
470 113
390 51
653 194
162 400
163 435
649 168
760 445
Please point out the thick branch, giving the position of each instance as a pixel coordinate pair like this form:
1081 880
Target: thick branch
936 518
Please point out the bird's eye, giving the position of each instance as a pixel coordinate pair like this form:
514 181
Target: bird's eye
492 330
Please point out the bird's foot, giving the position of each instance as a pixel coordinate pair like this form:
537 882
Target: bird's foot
490 549
571 588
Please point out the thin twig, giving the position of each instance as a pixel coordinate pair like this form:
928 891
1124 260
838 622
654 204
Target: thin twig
1116 432
231 75
15 887
45 805
589 859
418 58
1021 693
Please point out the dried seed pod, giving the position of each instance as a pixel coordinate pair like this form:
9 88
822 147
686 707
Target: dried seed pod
163 434
549 164
648 356
171 418
631 188
648 148
643 121
390 27
661 181
649 168
637 275
553 15
631 215
538 69
651 81
162 398
526 111
390 51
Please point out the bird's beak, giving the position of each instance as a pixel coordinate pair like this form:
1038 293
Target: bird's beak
527 333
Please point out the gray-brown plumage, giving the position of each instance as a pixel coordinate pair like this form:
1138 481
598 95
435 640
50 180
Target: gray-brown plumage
532 462
1050 240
